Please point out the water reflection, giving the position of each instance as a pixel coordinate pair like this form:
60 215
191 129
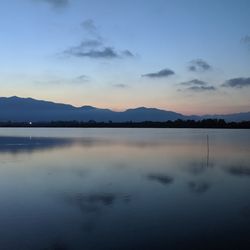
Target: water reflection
17 145
93 203
58 246
195 168
29 144
239 170
198 187
124 189
160 178
245 211
90 203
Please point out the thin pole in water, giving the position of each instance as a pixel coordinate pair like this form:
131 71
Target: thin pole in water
207 150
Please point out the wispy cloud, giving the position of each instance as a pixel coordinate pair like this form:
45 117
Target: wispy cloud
90 43
55 3
89 25
194 82
81 78
199 65
127 53
160 74
55 80
120 85
246 39
239 82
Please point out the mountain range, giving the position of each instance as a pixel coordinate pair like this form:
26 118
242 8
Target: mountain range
18 109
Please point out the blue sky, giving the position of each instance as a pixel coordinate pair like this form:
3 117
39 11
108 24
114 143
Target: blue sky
188 56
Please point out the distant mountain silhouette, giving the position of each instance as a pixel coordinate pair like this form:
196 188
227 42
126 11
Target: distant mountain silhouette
18 109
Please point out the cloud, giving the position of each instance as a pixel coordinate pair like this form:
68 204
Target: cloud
246 39
97 53
106 52
90 43
202 88
195 82
84 46
239 82
160 178
120 85
199 65
89 25
198 85
81 79
93 46
128 53
55 3
55 80
160 74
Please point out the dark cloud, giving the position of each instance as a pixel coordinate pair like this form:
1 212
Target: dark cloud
160 74
96 53
55 3
199 65
162 179
195 82
106 52
201 88
239 82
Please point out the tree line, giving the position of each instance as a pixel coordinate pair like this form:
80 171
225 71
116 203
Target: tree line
206 123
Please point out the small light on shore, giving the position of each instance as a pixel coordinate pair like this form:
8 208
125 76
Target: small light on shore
30 123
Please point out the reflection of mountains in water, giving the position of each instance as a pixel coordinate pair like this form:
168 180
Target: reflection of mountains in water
22 144
30 144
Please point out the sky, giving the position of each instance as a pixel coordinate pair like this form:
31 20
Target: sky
191 57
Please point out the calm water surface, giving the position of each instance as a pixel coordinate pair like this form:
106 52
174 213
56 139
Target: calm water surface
124 189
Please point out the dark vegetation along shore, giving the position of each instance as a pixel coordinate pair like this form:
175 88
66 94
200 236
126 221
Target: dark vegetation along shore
206 123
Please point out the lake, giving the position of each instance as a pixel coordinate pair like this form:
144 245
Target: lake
124 189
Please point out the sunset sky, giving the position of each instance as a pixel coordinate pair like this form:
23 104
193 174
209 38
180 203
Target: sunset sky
190 56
